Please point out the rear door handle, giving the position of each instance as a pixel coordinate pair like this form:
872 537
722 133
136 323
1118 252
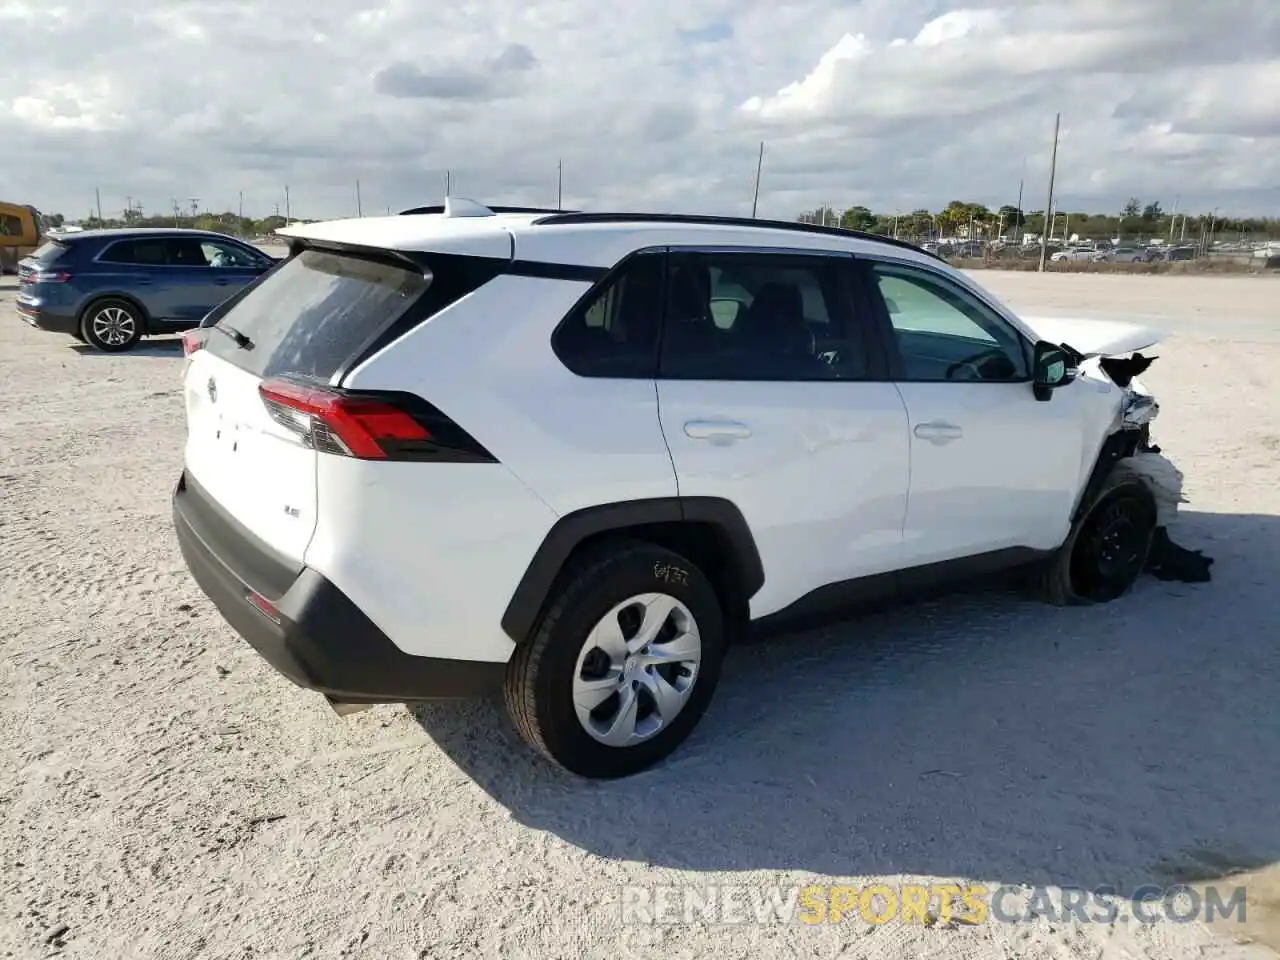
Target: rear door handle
938 432
717 431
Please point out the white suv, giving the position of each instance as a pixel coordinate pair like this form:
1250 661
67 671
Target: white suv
570 456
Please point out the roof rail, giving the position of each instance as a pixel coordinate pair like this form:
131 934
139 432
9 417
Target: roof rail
701 219
440 208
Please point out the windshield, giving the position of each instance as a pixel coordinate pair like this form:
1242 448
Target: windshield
314 312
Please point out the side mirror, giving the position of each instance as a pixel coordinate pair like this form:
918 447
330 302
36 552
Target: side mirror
1051 367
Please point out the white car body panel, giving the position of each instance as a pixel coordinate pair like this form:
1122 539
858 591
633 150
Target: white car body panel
519 400
245 460
991 468
1094 338
820 476
430 552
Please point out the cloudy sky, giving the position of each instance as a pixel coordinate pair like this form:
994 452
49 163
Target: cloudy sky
652 105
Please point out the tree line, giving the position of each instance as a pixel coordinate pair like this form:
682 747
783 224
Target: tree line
1136 220
228 223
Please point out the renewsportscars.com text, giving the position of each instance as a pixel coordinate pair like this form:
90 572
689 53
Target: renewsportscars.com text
938 903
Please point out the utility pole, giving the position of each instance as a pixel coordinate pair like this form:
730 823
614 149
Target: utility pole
97 196
448 184
359 208
755 200
241 214
195 206
286 205
1173 218
1017 224
560 184
1053 170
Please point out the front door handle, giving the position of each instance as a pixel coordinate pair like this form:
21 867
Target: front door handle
717 431
938 432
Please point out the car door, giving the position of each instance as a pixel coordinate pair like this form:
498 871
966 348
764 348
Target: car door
770 398
195 286
992 468
140 268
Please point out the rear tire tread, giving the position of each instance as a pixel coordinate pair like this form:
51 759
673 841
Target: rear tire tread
519 688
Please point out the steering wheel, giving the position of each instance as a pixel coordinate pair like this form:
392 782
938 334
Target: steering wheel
973 362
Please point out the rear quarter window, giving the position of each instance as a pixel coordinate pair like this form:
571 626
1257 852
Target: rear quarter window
313 313
49 251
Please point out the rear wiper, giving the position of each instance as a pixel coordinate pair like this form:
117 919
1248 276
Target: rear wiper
242 340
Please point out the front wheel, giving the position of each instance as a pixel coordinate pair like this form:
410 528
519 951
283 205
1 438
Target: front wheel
623 663
111 326
1107 549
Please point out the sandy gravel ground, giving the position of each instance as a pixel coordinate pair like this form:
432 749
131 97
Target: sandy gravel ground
165 794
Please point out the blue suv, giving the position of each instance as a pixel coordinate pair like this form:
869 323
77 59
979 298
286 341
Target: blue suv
109 288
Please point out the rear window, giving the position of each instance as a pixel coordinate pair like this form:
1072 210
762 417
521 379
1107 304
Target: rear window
313 313
49 251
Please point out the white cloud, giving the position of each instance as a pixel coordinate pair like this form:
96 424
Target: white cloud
886 103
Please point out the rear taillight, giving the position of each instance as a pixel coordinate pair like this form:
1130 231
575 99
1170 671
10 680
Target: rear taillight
369 426
193 340
48 276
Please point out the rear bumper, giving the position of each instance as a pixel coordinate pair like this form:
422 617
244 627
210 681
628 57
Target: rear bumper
318 637
47 320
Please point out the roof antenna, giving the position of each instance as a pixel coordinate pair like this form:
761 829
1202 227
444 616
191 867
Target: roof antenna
455 207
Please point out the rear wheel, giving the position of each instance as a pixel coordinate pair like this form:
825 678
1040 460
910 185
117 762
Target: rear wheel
111 326
1108 549
623 663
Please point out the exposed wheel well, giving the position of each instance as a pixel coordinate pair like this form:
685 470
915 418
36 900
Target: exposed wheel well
126 298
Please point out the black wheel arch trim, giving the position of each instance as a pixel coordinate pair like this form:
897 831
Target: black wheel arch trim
575 528
1121 444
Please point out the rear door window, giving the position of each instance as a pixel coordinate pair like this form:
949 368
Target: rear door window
150 253
315 312
185 252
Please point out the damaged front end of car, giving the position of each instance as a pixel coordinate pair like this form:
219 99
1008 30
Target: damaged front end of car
1128 449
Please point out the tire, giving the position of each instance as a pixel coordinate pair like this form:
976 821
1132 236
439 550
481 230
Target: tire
555 664
111 326
1107 549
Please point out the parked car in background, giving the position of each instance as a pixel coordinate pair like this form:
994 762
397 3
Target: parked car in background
1121 255
1074 253
110 288
1169 254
